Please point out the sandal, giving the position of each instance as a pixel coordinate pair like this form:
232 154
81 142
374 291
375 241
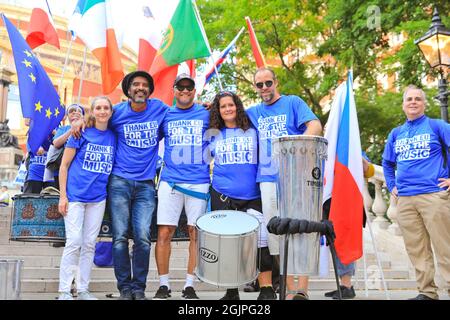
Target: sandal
297 295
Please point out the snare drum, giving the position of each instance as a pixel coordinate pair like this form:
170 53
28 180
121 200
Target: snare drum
227 248
36 218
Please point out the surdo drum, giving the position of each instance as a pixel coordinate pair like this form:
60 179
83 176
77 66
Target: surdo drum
227 248
301 161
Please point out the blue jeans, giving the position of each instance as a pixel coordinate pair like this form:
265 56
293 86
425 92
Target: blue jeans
131 205
345 269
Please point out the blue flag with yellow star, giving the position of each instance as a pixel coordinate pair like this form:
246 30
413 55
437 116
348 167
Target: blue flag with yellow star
38 97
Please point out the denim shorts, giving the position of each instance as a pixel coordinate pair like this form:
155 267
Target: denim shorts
345 269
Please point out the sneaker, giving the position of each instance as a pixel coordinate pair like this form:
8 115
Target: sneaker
300 295
163 293
86 295
422 297
267 293
251 287
125 295
139 295
231 294
189 293
332 293
65 296
347 293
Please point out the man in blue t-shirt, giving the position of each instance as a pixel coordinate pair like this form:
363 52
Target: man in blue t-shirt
131 192
184 180
277 115
421 185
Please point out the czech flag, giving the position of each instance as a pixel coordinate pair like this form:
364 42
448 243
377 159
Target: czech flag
344 178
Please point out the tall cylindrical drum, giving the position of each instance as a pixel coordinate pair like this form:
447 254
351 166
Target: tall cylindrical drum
10 279
301 161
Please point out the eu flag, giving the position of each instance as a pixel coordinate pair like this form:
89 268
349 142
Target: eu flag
39 99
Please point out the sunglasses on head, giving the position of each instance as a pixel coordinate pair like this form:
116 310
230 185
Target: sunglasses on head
180 87
268 84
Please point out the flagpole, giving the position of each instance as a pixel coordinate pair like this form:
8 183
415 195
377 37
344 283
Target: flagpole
82 74
199 20
66 60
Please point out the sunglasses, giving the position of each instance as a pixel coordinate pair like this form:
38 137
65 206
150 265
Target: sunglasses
181 88
268 84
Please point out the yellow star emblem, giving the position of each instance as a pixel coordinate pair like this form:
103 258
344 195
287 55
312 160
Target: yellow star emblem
61 102
32 77
38 106
26 63
57 112
48 113
28 53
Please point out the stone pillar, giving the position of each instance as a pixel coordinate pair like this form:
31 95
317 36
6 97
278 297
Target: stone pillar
379 206
10 154
5 79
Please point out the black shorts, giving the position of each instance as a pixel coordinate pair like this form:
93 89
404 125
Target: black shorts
223 202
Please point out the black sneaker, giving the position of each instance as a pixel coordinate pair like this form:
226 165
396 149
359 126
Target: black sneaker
231 294
300 295
330 294
347 293
267 293
163 293
189 293
139 295
422 297
252 287
125 295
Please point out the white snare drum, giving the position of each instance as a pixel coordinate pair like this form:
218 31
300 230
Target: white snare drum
227 248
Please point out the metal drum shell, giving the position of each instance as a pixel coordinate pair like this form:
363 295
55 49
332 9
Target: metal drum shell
227 260
301 161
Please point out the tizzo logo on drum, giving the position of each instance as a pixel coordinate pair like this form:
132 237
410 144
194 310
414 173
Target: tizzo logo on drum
208 255
218 216
316 174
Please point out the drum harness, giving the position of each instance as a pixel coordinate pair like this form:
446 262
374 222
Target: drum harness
287 226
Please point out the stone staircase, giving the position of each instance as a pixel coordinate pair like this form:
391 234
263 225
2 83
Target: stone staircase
41 267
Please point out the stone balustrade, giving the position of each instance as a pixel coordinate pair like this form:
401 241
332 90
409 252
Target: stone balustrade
382 209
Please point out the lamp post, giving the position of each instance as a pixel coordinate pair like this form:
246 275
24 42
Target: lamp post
435 46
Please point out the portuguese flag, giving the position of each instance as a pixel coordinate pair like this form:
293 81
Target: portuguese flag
183 39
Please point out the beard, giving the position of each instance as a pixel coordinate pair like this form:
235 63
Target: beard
267 97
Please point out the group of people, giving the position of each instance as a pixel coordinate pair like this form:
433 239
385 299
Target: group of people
114 160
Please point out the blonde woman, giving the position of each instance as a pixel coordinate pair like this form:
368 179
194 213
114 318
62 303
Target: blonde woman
83 176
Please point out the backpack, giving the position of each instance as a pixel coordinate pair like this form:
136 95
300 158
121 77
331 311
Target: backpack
445 149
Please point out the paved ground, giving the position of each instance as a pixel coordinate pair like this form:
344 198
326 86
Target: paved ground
216 295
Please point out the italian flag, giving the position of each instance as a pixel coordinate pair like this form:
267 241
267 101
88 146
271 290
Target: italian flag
41 28
183 39
94 26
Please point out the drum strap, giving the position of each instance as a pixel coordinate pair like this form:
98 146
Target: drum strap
191 193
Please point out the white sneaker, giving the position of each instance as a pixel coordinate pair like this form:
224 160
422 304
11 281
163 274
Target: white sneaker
65 296
86 295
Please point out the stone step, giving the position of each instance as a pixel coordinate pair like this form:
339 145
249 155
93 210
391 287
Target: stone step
33 285
107 273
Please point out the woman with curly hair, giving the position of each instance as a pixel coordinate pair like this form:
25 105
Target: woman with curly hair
234 187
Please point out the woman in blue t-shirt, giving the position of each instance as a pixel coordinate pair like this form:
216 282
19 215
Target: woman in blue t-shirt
83 175
234 187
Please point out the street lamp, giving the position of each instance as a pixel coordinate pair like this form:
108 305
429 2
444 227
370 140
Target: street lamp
435 46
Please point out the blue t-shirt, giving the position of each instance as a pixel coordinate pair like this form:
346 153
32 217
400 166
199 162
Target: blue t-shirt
91 166
137 139
185 145
235 155
418 155
36 167
287 116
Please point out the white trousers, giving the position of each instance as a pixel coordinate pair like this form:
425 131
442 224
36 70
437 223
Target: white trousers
270 210
82 225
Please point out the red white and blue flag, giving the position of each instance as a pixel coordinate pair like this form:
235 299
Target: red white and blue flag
223 55
344 179
202 80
